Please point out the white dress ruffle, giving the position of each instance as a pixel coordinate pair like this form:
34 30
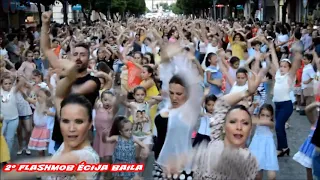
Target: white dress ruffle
181 120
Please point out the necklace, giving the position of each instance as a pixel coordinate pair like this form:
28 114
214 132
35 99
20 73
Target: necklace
6 98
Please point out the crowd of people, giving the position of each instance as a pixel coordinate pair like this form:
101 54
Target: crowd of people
193 92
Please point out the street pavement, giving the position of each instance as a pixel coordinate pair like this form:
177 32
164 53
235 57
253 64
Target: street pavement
289 169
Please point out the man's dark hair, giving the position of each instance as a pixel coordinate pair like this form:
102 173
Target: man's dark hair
297 34
11 37
83 45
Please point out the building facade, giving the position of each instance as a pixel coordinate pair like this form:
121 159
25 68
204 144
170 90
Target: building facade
152 4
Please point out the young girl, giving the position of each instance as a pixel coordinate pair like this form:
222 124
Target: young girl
4 151
148 83
138 118
40 136
213 76
232 70
9 109
125 150
204 129
105 112
27 66
304 155
262 145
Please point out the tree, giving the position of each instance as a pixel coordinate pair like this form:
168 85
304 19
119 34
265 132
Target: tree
194 7
165 6
175 9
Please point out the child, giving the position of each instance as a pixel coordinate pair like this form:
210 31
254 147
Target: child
241 81
9 109
40 136
308 75
213 76
262 145
232 68
4 151
204 129
104 113
147 76
27 66
125 150
304 155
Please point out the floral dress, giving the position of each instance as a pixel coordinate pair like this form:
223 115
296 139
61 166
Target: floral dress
124 152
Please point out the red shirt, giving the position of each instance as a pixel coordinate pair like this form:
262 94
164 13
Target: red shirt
299 76
134 75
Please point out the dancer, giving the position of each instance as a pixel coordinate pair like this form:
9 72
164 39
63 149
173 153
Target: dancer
284 82
262 144
304 155
125 150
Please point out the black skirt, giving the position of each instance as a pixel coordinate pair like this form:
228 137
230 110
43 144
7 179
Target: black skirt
158 173
199 138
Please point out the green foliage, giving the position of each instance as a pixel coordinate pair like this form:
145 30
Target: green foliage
136 7
175 9
165 6
193 6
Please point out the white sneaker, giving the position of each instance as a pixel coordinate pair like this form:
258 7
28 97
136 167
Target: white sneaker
28 152
20 152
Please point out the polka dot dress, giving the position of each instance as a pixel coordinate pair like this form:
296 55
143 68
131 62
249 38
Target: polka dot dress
158 174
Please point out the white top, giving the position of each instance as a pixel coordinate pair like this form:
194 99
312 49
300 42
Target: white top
283 38
202 47
181 120
86 154
9 109
210 49
204 128
307 73
39 119
145 49
3 52
282 87
236 88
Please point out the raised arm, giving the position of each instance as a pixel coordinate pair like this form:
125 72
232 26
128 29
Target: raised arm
64 85
45 40
274 57
223 105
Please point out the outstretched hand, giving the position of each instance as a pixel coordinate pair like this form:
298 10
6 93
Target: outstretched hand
255 80
46 17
